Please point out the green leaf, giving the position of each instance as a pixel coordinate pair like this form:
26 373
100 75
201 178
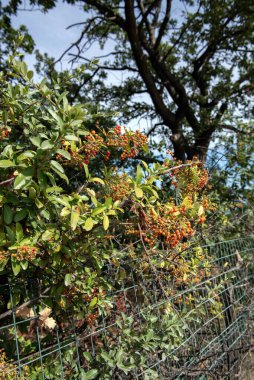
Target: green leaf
108 359
20 215
38 203
16 267
56 166
36 141
63 201
19 232
45 214
42 179
65 211
21 181
25 155
67 279
59 170
105 222
87 356
24 264
32 192
139 192
74 123
8 214
86 170
30 74
55 116
90 374
111 212
88 224
145 166
46 145
11 235
3 238
93 302
74 219
94 200
64 153
71 138
139 175
3 264
47 235
6 164
98 210
108 202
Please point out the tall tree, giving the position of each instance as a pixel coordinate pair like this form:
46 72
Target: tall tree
192 57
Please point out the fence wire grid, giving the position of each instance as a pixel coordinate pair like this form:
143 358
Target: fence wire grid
197 332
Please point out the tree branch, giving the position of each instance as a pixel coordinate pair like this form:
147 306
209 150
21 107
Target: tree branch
235 129
28 303
108 12
163 24
141 61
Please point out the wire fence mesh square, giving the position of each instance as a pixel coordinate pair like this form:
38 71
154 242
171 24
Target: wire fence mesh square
151 326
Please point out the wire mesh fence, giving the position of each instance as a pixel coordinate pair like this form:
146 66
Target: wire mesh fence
150 324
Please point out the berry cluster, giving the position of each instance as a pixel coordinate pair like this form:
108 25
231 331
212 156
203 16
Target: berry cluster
203 179
71 292
8 370
100 294
118 129
120 304
76 159
130 143
189 179
107 156
92 146
3 255
25 252
202 219
168 225
4 132
91 318
119 187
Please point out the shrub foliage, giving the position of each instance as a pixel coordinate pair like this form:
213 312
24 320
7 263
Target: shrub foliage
63 221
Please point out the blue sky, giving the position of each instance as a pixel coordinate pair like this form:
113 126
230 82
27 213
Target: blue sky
50 33
49 29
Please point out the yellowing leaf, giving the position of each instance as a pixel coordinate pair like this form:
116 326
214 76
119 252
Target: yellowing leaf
105 222
200 210
65 211
88 224
67 279
139 192
96 179
74 218
50 323
45 313
90 192
6 164
24 312
187 202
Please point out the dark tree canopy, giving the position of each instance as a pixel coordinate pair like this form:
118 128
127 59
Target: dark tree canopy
192 57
